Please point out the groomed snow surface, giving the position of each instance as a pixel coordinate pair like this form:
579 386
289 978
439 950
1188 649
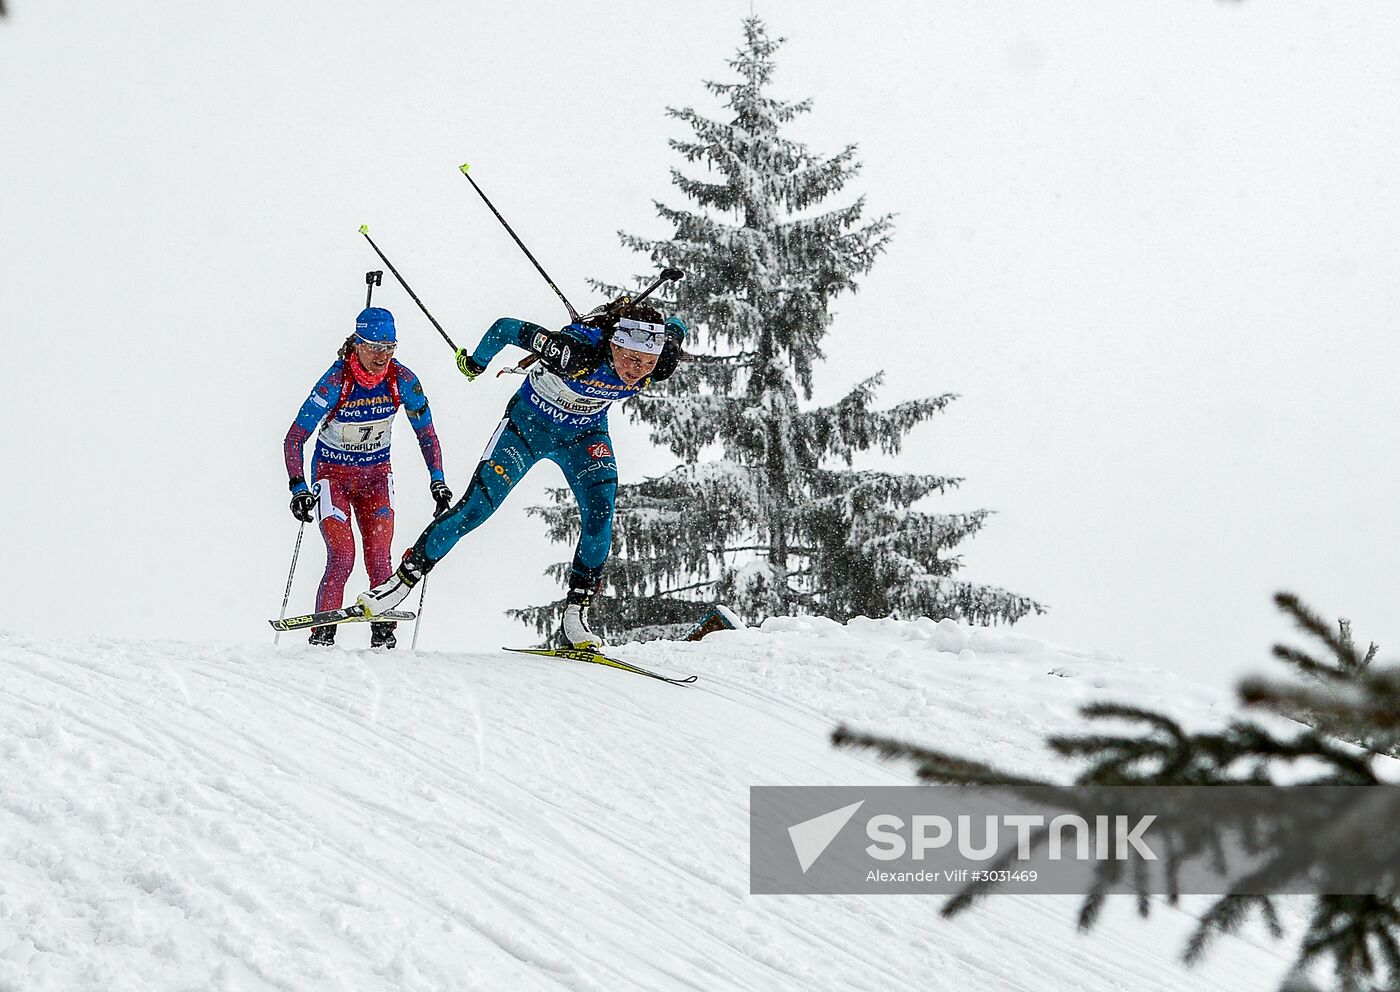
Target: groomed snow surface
180 816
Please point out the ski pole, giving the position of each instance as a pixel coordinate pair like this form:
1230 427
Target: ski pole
422 594
667 275
573 314
624 301
296 550
418 621
364 229
372 279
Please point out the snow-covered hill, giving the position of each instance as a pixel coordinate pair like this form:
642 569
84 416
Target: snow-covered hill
179 816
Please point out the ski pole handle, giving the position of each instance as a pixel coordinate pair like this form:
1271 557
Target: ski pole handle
667 275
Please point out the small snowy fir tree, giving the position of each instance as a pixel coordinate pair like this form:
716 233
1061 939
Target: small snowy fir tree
781 524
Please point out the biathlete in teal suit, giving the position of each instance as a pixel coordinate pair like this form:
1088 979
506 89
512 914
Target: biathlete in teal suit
561 414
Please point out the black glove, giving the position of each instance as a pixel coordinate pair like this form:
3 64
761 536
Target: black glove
666 364
441 495
303 501
566 354
672 352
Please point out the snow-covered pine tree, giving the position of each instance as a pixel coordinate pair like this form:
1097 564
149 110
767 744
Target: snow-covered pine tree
771 528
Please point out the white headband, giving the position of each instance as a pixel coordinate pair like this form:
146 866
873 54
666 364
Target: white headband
638 335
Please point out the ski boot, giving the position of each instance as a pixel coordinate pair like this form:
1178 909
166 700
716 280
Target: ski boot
395 589
381 635
574 630
322 637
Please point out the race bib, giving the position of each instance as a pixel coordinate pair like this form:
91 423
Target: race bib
358 437
554 392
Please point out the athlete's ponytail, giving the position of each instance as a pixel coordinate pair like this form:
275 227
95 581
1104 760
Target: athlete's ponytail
346 348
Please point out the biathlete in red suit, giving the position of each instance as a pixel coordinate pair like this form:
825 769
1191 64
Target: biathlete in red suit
351 411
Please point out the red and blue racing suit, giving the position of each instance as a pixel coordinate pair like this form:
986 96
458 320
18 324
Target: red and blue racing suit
352 414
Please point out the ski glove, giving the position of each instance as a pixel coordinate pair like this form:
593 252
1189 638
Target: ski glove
666 364
441 495
671 353
467 366
566 354
303 501
676 329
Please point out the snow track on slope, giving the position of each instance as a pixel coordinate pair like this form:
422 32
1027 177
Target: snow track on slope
181 816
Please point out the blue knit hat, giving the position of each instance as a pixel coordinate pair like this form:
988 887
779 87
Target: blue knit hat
375 324
676 328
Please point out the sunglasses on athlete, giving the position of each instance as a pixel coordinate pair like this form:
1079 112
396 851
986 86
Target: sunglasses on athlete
640 335
378 347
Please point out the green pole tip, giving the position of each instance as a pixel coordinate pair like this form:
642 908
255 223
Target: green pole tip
464 167
364 228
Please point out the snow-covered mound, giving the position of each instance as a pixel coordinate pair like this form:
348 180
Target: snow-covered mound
184 817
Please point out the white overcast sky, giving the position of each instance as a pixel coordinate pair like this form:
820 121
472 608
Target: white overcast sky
1151 245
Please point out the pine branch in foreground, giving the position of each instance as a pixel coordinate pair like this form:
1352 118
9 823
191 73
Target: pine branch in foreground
1357 935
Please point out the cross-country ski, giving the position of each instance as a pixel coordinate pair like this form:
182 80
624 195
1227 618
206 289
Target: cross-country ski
346 614
598 658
